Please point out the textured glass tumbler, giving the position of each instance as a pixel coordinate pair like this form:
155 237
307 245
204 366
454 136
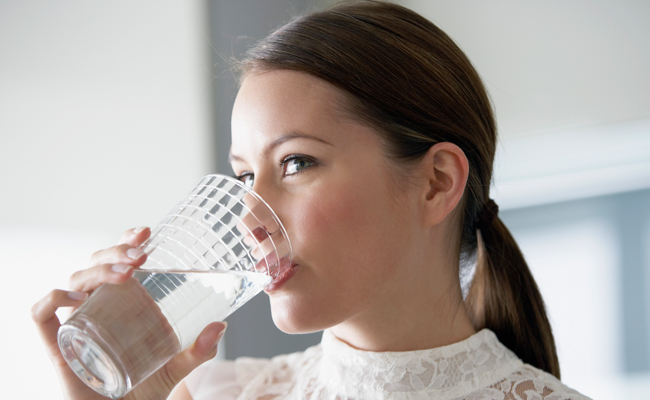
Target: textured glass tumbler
219 247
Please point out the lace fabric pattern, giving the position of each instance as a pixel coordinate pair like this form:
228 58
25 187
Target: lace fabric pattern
479 368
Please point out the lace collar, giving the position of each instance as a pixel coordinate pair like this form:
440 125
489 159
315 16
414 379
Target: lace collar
445 372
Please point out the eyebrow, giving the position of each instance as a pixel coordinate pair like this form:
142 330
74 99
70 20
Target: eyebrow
282 139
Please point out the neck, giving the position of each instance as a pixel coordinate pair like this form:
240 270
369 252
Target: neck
426 315
420 306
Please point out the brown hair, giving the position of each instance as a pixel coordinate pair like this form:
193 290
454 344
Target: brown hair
410 81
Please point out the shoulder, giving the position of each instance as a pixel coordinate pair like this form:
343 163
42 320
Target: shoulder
282 367
278 376
528 383
229 379
213 379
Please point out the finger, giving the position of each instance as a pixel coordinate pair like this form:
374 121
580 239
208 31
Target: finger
46 308
135 237
120 254
90 279
203 349
205 345
44 316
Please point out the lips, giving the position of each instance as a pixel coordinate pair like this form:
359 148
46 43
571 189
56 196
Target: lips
282 274
281 271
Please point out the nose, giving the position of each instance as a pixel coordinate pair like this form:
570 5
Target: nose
259 216
265 189
265 234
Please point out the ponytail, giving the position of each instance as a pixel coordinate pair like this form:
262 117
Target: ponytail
505 299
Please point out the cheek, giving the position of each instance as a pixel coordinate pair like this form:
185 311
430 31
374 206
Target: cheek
333 215
346 236
346 228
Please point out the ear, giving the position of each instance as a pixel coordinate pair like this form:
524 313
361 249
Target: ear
445 169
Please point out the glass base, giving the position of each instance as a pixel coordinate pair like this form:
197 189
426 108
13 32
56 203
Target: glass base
88 356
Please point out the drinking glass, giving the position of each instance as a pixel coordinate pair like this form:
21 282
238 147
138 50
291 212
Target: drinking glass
219 247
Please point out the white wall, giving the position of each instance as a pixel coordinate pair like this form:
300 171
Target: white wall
555 63
104 110
569 83
104 125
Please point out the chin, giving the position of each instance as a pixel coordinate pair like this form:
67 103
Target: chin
293 319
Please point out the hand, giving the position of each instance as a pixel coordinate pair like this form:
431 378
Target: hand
115 265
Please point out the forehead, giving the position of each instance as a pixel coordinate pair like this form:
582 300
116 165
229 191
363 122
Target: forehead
280 102
287 85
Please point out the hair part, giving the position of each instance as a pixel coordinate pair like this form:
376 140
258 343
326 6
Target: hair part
409 81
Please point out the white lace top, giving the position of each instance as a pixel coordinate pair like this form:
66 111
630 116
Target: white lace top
479 368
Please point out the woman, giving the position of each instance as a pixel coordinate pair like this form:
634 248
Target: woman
371 135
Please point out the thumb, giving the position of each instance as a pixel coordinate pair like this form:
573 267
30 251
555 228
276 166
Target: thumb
202 350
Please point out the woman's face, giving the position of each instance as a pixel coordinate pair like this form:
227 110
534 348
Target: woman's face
352 228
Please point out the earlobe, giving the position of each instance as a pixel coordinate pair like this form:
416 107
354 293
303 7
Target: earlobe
445 168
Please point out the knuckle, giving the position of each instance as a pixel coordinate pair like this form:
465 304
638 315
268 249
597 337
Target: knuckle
34 312
96 255
118 252
105 273
123 247
36 309
125 236
51 297
73 278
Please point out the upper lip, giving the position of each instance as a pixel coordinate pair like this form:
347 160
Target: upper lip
277 267
280 278
283 267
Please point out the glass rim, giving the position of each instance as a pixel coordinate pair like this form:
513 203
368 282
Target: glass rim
250 191
214 182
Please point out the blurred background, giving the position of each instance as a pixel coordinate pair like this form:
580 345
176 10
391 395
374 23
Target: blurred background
111 111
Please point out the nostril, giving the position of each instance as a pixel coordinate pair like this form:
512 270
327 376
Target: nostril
260 234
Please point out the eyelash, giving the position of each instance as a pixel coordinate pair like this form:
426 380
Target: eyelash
282 165
243 176
293 157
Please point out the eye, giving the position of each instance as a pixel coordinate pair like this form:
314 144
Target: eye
247 178
296 163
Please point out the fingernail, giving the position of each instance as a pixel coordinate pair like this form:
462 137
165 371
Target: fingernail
121 268
221 334
134 253
140 229
77 295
